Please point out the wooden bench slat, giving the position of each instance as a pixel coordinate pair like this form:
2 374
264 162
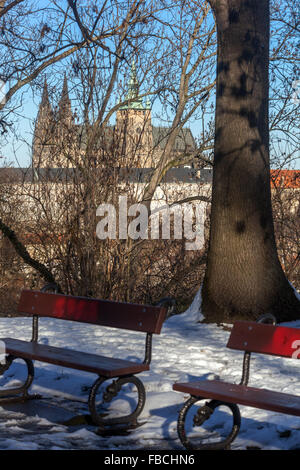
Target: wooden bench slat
266 339
145 318
243 395
101 365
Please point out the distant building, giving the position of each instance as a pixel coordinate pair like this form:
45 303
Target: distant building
135 146
287 179
59 142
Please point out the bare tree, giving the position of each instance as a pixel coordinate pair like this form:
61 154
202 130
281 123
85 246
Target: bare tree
286 206
243 276
173 47
102 44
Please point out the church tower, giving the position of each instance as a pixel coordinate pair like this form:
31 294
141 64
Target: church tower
44 130
64 113
134 127
67 151
54 140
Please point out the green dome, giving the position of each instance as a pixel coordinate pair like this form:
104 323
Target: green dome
133 93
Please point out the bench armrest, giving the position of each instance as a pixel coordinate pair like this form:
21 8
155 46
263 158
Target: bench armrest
35 319
52 287
169 303
267 318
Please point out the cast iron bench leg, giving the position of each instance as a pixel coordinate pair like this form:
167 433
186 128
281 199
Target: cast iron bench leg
19 393
202 415
112 391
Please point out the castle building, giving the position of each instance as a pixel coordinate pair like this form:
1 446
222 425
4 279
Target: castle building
133 141
54 145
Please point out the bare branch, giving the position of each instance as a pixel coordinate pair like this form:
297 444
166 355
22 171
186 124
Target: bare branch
5 9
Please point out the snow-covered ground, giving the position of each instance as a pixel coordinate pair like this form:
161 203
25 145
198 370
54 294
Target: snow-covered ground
184 351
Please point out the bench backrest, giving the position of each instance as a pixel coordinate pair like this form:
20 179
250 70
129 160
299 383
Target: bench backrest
267 339
123 315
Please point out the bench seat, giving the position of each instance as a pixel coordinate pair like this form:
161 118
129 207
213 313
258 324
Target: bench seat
101 365
242 395
143 319
250 337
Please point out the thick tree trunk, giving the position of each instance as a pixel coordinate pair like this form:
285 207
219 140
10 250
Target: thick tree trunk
244 278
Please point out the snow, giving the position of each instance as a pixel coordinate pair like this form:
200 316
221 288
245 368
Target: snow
184 351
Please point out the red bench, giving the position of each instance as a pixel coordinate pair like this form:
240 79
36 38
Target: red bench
250 337
143 318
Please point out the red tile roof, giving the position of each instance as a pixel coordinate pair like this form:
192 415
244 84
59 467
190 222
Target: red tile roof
285 178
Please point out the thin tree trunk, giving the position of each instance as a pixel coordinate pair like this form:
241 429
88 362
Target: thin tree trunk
244 277
23 253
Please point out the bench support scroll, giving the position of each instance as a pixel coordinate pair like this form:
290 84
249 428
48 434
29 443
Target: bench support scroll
112 391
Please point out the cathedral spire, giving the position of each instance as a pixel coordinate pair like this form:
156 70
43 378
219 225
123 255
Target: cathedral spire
45 110
43 128
133 91
45 96
133 86
64 106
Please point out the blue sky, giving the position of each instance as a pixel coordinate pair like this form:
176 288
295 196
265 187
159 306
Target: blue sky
18 148
18 151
